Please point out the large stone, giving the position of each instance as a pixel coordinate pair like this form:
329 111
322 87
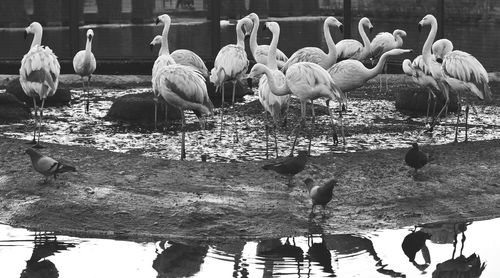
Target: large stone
11 109
139 108
415 101
61 97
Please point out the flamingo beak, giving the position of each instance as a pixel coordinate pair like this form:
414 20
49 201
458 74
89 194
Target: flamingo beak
151 47
90 37
249 82
157 21
370 29
264 27
341 27
420 27
439 60
25 34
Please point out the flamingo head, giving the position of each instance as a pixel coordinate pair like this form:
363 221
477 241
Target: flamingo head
366 22
34 27
399 33
90 34
155 41
257 71
440 48
253 16
332 21
164 18
272 26
407 67
427 20
247 25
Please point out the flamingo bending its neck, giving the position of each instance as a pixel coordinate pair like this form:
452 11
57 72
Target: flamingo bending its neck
39 73
84 64
353 49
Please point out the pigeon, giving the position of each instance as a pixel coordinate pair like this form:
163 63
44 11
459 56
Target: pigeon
47 166
413 243
320 194
290 167
416 158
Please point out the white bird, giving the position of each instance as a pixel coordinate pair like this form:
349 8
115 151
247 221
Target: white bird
184 57
84 64
384 42
315 54
261 52
351 74
273 104
39 73
460 71
307 81
353 49
231 63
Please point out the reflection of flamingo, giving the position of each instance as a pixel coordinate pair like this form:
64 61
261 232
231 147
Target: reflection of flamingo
178 260
276 105
315 54
39 73
353 49
384 42
231 64
84 64
261 52
414 242
318 252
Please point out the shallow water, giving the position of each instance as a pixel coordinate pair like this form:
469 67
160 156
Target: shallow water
378 254
369 124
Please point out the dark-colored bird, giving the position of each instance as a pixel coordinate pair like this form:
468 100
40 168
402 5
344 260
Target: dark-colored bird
47 166
320 194
416 158
415 242
290 167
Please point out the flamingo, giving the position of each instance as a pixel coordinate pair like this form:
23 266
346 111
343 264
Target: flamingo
315 54
384 42
307 81
231 64
459 70
261 52
39 73
353 49
275 105
84 64
183 57
351 74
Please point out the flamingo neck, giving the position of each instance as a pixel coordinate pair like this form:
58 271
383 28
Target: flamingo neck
366 40
332 51
399 41
379 67
164 41
279 91
426 50
271 56
240 37
37 38
253 36
88 48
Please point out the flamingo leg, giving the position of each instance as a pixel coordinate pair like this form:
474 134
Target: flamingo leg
222 112
456 127
88 95
466 122
155 100
40 123
33 142
428 107
183 136
312 111
341 119
311 133
275 138
267 134
235 127
300 124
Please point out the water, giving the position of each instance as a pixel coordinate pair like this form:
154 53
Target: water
376 254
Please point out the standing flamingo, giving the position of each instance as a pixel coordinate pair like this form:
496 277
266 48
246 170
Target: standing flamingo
276 105
307 81
315 54
39 73
459 70
84 64
231 65
353 49
384 42
183 57
261 52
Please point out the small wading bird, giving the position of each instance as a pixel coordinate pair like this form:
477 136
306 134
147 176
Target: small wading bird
39 74
84 64
261 52
415 242
320 195
273 104
384 42
47 166
290 166
416 158
231 65
353 49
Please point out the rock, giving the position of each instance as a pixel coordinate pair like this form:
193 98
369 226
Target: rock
239 93
415 101
11 109
140 108
61 97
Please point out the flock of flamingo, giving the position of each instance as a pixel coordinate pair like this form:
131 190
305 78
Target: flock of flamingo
310 73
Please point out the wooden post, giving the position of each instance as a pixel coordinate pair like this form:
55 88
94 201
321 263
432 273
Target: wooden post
440 18
214 7
74 21
347 19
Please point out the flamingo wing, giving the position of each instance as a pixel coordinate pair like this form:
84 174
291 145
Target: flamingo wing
310 78
83 66
349 49
306 54
231 62
189 58
39 65
262 52
464 67
349 74
275 105
382 43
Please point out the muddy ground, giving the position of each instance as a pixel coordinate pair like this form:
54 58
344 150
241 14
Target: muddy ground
135 197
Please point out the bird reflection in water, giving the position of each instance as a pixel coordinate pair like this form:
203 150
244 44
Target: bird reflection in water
46 244
319 252
273 250
415 242
178 259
